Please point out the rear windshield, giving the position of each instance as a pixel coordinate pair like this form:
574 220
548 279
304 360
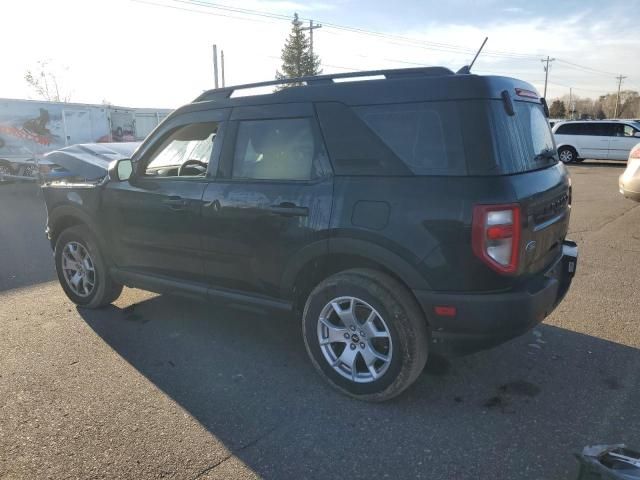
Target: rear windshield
522 142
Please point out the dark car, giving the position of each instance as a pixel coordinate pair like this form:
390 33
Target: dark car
424 212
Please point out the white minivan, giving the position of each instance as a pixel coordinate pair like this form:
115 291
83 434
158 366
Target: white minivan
596 139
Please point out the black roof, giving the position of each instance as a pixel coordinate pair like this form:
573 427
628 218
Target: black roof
392 86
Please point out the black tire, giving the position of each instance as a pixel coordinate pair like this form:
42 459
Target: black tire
567 154
404 320
105 290
5 168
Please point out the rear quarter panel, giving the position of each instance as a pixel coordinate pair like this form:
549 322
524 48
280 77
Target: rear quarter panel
424 222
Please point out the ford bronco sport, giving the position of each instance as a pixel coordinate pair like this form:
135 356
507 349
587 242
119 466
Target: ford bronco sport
416 213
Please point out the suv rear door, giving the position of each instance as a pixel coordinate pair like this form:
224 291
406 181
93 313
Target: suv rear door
270 201
594 140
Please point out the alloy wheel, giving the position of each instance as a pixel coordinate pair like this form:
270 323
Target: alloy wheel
566 156
78 269
354 339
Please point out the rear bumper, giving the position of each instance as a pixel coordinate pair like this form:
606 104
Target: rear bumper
485 320
630 188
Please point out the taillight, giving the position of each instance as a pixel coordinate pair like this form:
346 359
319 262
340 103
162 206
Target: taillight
495 236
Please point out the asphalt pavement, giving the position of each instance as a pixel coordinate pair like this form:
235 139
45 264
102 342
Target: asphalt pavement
164 387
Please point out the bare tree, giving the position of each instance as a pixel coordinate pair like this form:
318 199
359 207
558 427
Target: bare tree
45 82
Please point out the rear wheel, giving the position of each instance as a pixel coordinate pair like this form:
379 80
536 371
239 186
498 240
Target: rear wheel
82 270
365 334
567 154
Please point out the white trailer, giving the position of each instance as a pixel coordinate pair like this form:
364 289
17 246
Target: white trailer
29 129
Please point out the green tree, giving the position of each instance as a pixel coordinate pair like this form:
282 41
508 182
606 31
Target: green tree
557 109
297 60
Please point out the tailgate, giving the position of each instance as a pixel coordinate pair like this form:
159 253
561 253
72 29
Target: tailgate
545 199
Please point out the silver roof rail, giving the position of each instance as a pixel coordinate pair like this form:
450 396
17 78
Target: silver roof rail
226 92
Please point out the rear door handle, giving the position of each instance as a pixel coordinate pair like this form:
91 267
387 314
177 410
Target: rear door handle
288 209
175 203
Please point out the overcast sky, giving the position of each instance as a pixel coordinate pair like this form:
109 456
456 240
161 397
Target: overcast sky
157 53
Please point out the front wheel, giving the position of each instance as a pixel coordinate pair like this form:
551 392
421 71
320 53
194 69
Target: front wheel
82 270
365 334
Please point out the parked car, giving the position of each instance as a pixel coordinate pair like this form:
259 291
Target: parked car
83 162
629 181
597 140
425 212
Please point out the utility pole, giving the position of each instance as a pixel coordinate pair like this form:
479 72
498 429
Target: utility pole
311 28
215 66
570 103
222 65
546 73
620 78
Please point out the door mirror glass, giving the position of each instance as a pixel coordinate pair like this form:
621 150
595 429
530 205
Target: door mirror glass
120 170
637 134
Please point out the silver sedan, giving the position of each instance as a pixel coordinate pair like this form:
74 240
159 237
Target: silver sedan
629 181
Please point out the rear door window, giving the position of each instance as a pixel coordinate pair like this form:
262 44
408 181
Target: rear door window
279 149
608 129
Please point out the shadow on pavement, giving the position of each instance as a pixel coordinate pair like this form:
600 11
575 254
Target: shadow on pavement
25 255
517 411
597 163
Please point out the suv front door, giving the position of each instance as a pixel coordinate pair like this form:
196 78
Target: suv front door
271 200
154 218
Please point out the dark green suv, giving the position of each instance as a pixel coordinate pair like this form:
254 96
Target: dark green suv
418 212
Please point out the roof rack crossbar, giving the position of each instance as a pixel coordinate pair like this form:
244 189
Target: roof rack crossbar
226 92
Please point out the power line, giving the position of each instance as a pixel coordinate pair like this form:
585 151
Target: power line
417 43
582 67
413 41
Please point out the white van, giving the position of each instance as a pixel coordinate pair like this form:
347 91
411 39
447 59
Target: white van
598 140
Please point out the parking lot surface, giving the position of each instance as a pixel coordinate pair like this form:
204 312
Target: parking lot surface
166 387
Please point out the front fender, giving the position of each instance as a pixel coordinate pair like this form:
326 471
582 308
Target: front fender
62 216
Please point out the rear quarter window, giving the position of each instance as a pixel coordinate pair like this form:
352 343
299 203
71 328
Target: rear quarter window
425 136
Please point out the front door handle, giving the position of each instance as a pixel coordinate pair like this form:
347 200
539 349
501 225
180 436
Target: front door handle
288 209
175 203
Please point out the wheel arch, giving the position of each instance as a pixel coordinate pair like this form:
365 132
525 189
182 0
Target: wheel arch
317 262
66 216
571 146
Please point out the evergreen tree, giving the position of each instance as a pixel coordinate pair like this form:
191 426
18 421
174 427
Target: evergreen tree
296 55
557 109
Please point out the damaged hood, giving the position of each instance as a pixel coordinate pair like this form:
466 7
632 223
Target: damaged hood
90 161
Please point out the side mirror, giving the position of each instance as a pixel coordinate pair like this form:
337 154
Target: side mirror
637 134
120 170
